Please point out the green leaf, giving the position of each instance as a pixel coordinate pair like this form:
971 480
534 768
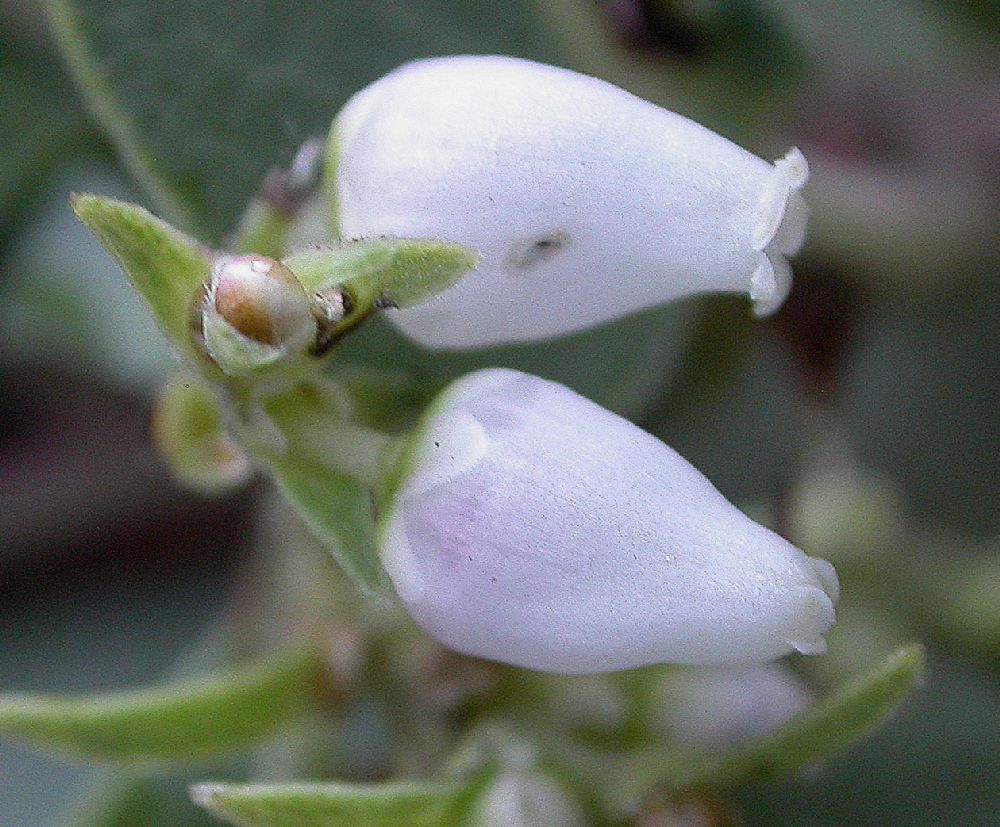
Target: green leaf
202 99
396 804
401 271
838 721
338 510
176 723
164 265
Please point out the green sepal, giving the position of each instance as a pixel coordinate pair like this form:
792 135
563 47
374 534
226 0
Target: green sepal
337 508
188 431
165 266
234 353
176 723
842 718
318 804
381 272
324 464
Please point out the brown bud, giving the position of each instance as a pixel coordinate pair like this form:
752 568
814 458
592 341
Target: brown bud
260 298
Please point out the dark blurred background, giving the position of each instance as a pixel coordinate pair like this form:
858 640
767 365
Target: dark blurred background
861 420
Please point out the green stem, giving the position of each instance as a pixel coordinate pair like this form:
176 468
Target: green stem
313 421
262 230
350 448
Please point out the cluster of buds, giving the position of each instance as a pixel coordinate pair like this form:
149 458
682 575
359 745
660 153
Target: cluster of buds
518 521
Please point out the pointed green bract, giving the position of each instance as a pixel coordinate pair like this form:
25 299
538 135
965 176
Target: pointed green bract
398 804
836 722
176 723
403 271
381 272
338 510
167 267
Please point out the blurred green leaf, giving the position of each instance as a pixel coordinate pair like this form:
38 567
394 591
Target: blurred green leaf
620 365
938 763
39 120
176 723
955 591
125 801
202 99
397 804
165 266
836 722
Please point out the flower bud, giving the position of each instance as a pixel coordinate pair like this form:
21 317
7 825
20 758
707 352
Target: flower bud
718 707
255 312
585 202
524 524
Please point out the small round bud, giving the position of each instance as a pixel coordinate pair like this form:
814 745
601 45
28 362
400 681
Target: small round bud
259 297
255 314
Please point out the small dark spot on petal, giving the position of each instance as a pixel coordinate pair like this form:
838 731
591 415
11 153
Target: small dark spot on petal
535 250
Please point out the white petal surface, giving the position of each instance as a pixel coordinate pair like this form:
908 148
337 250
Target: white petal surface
538 529
586 202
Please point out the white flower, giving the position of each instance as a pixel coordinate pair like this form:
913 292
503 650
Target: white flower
585 202
527 525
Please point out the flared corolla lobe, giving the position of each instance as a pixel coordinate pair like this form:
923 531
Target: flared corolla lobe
530 526
586 202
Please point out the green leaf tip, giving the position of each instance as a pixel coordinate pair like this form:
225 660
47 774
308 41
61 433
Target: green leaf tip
165 266
334 804
176 723
359 277
842 718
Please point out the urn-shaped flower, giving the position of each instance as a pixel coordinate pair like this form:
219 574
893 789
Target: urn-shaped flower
524 524
585 202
